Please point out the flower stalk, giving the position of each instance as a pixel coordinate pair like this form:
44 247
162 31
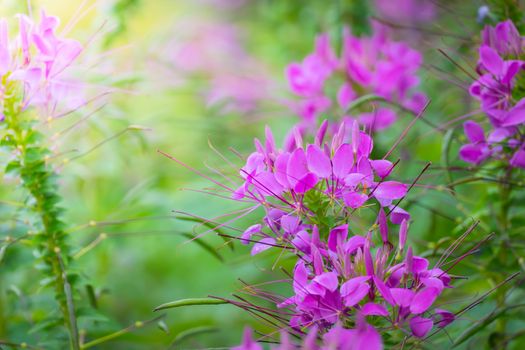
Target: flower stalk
38 179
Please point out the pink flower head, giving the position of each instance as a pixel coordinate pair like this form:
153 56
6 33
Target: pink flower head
504 38
500 74
41 67
247 342
403 11
336 170
370 65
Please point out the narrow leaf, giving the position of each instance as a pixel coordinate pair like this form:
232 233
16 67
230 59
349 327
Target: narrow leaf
190 302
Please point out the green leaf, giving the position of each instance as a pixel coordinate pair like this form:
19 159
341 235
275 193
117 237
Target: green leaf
445 150
184 335
209 225
204 246
190 302
2 252
12 167
482 324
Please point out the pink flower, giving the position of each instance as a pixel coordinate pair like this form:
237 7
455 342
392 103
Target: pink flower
369 65
495 89
247 342
41 66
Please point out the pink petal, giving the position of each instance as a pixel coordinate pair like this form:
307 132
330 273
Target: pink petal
296 167
265 182
516 115
354 199
262 245
373 309
423 300
354 290
354 243
249 232
337 237
345 95
398 215
318 162
379 119
383 226
402 297
518 159
328 280
474 154
356 295
382 167
384 291
290 223
445 318
306 183
280 165
300 277
343 161
474 131
403 228
491 60
420 326
390 190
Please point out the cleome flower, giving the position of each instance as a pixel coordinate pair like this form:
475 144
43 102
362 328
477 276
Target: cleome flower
356 292
372 65
500 92
344 278
297 184
32 64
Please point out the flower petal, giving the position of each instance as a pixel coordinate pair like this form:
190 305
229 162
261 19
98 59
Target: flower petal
423 300
337 237
491 60
474 131
420 326
343 161
262 245
318 162
390 190
373 309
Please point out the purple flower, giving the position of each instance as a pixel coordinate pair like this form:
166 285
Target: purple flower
247 342
403 11
338 169
420 326
368 65
504 38
365 337
478 149
37 59
495 89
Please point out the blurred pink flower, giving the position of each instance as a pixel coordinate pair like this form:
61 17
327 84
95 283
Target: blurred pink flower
38 59
406 11
214 55
374 65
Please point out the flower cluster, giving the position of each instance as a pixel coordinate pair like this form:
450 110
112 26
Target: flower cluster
345 277
364 337
347 288
35 62
346 292
403 11
500 90
341 277
372 65
301 184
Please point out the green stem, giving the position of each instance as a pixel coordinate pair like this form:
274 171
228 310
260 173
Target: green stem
505 200
38 179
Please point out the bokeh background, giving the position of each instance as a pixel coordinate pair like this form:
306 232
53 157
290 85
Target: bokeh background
197 80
